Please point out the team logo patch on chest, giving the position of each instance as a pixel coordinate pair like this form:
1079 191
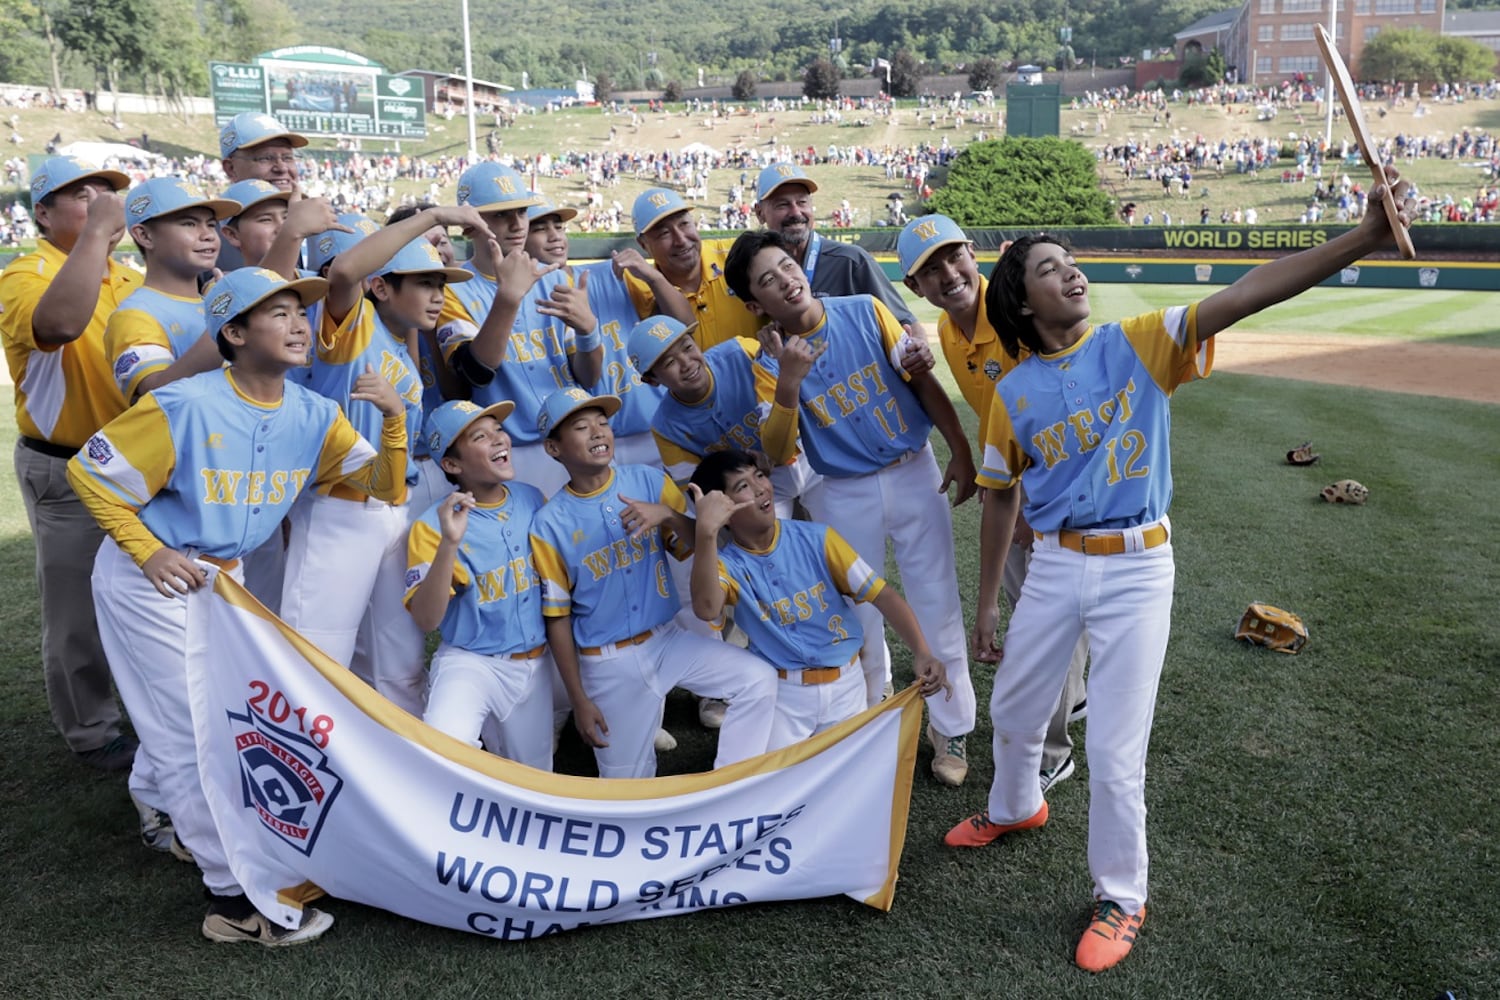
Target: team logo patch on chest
992 370
285 779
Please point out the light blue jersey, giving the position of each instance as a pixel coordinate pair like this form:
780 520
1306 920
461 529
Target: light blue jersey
342 354
1086 430
495 604
536 359
149 331
613 585
858 414
795 598
730 416
610 301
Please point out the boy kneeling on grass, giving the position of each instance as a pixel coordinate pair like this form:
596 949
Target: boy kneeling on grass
799 581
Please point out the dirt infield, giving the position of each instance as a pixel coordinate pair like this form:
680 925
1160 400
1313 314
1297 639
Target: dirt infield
1391 365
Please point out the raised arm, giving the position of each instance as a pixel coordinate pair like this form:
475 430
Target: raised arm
1286 277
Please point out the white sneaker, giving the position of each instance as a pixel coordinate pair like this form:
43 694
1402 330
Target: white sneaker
1061 772
157 832
711 712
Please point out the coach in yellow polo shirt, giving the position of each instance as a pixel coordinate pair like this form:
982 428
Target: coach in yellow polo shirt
937 262
667 233
53 307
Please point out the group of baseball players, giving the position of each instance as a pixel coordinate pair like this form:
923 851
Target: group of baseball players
382 444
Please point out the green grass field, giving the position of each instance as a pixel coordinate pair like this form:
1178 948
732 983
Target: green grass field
1320 824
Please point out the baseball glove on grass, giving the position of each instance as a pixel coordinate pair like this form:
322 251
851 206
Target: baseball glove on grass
1272 627
1302 455
1345 491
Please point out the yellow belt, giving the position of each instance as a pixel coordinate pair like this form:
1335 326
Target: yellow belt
1112 544
634 640
812 675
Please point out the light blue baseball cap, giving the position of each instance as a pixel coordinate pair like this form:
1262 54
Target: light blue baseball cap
253 192
778 174
244 288
561 404
57 172
165 195
322 248
251 128
492 187
650 338
546 208
447 422
655 204
421 257
922 237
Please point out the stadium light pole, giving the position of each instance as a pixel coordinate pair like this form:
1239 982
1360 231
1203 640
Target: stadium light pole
469 79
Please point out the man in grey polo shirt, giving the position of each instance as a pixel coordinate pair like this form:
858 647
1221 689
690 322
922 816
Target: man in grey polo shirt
783 204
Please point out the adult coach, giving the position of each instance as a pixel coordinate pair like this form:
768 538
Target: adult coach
783 204
668 233
255 146
54 304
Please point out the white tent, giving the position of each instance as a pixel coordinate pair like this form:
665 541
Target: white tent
101 153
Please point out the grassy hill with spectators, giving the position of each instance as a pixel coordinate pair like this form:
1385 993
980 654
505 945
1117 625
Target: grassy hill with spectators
906 133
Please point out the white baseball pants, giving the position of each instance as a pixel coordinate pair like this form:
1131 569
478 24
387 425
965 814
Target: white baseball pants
469 688
1123 603
630 684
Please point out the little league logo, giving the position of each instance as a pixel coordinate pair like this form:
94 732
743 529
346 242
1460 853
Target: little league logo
992 370
139 205
38 182
220 304
285 779
463 194
99 450
127 361
413 577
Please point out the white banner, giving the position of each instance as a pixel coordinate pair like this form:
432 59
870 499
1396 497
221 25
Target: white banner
318 784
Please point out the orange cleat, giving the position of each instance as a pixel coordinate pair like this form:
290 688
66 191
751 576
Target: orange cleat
1109 937
977 830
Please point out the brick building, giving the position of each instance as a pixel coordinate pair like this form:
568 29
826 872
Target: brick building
1270 40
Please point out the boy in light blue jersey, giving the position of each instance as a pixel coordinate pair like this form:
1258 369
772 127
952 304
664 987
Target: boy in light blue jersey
864 422
1083 425
203 470
617 314
470 576
600 546
346 557
796 584
176 229
513 337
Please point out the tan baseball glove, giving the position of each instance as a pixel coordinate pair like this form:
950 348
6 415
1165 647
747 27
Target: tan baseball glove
1272 627
1345 491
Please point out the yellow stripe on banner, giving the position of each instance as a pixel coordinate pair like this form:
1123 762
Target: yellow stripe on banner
906 765
414 730
299 895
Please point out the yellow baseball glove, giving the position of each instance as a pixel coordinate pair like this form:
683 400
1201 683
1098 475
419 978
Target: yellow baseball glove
1272 627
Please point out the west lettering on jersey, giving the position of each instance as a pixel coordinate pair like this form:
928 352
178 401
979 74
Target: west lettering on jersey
231 487
799 607
1051 441
520 574
621 553
850 394
393 368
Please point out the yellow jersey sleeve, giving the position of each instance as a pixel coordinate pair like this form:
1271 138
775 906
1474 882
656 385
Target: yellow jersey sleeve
348 458
855 577
893 336
120 468
557 582
1002 459
341 343
136 346
421 549
1168 346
